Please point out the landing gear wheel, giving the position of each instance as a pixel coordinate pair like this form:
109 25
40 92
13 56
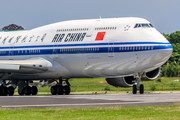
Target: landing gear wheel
34 90
53 90
1 90
134 89
10 91
141 89
4 91
59 90
21 92
27 90
66 90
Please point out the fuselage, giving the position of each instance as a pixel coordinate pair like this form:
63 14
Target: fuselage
88 48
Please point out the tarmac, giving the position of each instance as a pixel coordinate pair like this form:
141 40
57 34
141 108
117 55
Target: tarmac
87 101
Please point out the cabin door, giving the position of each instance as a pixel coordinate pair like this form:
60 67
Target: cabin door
55 52
11 52
111 49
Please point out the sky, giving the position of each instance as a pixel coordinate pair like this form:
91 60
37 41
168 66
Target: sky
163 14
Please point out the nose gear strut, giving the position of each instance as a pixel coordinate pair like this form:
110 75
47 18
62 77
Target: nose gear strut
138 87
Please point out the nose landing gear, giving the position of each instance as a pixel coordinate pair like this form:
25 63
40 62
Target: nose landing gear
138 87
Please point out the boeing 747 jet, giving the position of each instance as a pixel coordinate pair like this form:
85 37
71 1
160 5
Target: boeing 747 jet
122 50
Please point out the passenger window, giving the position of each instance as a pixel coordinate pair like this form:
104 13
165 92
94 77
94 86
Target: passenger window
152 47
124 48
127 48
119 48
145 48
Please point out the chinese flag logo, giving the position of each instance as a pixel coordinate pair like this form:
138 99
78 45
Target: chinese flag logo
100 36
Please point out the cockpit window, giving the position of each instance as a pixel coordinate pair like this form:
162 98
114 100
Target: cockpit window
136 26
151 25
144 25
139 25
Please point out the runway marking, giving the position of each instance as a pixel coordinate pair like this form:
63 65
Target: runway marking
86 104
53 105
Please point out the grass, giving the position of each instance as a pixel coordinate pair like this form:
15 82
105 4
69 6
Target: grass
99 85
112 113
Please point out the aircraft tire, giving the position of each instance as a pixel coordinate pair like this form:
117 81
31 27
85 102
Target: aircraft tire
4 91
66 90
34 90
53 90
27 90
10 91
134 89
21 92
141 89
1 91
59 90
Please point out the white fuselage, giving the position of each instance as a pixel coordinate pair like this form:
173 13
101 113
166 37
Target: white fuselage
87 48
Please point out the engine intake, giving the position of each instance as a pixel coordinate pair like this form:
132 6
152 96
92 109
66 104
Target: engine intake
152 75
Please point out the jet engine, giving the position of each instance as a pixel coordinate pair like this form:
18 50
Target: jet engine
128 81
121 82
152 75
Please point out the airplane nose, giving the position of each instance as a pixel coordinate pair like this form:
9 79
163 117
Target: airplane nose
165 51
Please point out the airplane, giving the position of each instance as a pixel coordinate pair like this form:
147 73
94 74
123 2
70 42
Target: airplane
123 50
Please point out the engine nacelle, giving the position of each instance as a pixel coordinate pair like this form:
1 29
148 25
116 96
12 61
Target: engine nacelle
152 75
121 82
128 81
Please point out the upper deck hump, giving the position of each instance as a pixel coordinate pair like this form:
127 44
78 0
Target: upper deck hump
88 22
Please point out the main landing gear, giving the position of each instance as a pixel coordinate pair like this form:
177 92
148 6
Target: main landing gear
138 87
25 89
6 89
60 89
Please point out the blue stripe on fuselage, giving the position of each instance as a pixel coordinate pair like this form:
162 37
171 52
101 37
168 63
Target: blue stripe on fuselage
84 44
92 49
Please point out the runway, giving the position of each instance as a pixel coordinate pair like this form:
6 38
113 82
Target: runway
85 101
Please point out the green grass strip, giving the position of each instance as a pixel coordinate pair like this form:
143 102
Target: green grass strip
112 113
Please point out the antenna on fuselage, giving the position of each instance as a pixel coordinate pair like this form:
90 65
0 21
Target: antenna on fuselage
99 17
